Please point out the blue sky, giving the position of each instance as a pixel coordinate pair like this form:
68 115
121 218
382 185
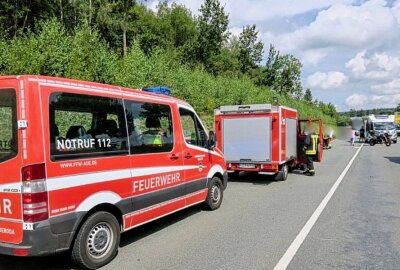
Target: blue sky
350 49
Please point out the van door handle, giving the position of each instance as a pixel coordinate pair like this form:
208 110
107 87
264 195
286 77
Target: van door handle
174 157
188 155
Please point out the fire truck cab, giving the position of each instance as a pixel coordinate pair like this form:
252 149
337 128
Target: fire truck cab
262 138
81 162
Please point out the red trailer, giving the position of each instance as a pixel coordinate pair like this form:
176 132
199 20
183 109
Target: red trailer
262 138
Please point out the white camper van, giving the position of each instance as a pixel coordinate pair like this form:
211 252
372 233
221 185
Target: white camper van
380 124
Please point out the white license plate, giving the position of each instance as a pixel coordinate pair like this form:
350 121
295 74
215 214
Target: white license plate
246 165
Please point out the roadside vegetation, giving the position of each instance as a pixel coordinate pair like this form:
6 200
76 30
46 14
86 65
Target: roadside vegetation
125 43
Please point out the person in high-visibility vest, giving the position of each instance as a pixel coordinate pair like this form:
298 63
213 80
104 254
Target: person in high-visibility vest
311 150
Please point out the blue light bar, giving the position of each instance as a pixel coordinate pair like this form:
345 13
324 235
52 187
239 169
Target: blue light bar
158 90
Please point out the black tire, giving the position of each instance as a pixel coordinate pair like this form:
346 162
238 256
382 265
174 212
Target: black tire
283 173
388 143
371 142
215 194
103 228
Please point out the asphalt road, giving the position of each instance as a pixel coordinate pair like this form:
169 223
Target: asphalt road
259 219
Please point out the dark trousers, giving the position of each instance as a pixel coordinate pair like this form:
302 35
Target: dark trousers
310 163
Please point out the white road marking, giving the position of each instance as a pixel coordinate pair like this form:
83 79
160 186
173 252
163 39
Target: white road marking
293 248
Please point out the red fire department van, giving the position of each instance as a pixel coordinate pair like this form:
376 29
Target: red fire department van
263 138
81 162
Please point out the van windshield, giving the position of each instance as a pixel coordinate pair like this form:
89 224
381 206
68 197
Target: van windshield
383 126
8 124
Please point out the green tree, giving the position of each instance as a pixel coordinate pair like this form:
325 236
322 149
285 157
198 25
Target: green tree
343 120
250 50
226 63
212 31
282 73
179 24
270 71
117 17
289 81
331 110
308 96
18 16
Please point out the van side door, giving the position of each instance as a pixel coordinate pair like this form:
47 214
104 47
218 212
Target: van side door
157 165
196 156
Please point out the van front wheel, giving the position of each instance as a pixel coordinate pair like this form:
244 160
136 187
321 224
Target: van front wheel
97 241
215 194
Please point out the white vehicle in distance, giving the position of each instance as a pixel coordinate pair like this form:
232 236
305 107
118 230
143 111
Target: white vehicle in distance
380 124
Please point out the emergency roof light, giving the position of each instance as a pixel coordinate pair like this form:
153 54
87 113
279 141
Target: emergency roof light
163 90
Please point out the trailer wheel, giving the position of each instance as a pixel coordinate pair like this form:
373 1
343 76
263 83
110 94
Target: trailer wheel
215 194
97 241
283 173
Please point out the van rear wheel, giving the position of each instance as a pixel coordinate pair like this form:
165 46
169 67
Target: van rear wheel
215 194
97 241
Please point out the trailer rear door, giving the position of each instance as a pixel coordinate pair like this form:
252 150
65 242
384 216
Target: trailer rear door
247 139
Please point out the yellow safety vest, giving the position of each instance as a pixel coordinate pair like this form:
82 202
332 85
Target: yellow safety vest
312 149
157 140
154 140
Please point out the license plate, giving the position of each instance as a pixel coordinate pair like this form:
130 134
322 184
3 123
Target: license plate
246 165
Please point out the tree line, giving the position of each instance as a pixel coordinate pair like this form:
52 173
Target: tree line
344 118
124 42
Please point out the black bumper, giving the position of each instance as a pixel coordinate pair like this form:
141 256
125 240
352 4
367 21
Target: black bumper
48 237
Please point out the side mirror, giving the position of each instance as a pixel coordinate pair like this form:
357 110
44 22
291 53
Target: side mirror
211 140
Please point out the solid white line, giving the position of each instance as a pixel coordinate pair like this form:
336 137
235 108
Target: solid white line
292 250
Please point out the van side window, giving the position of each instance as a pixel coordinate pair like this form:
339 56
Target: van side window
83 126
150 127
192 130
8 125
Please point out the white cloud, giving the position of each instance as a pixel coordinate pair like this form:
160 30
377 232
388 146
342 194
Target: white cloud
389 88
387 101
377 67
236 31
359 101
351 26
369 25
329 80
250 10
312 57
356 100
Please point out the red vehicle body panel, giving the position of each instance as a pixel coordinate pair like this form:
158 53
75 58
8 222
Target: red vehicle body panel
141 187
279 141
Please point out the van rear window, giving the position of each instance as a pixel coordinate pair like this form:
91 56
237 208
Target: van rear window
8 124
83 126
